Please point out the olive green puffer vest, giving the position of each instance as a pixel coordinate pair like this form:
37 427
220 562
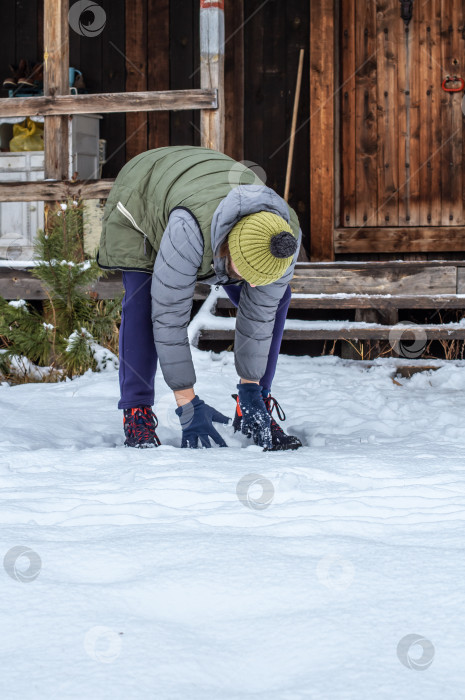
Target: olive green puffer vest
147 190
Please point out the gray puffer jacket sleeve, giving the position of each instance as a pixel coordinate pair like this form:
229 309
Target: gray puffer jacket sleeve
255 322
173 285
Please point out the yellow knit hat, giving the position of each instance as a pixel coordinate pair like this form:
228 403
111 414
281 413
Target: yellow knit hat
262 246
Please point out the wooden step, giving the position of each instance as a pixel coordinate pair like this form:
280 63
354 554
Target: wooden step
416 284
368 301
353 331
405 279
19 283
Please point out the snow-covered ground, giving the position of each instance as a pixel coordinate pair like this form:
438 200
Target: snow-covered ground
143 574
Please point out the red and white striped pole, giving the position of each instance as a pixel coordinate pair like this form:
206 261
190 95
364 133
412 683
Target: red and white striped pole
212 71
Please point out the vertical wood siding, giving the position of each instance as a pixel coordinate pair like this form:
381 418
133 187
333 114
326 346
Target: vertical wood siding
274 33
322 128
402 136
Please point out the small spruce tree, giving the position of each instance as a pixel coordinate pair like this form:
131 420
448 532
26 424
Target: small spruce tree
68 335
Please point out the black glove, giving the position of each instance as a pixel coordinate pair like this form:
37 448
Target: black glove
256 421
196 422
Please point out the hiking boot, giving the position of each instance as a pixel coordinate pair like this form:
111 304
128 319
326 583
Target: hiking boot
280 439
139 427
33 77
11 82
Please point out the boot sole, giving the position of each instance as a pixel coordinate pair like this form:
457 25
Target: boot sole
284 448
143 446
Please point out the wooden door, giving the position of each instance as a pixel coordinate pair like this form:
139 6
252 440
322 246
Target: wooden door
401 135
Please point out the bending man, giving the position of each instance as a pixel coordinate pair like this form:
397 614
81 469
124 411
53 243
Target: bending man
172 219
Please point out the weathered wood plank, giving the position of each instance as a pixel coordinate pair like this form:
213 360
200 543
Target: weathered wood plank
354 333
25 26
366 114
56 82
298 29
377 264
388 206
321 129
113 79
8 45
410 286
460 280
110 102
158 27
369 301
40 28
392 280
184 67
212 123
426 239
54 190
451 117
348 153
254 107
136 74
20 284
415 65
445 147
430 96
403 121
456 65
274 87
234 80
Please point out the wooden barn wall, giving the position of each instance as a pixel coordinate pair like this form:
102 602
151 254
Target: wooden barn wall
263 41
101 60
402 138
154 45
274 33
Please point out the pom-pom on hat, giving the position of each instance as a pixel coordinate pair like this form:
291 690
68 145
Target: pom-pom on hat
262 246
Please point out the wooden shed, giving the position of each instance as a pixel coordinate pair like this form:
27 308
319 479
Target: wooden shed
378 176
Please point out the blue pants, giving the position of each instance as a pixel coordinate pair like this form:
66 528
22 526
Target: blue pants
137 353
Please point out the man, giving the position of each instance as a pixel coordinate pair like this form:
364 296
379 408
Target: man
173 218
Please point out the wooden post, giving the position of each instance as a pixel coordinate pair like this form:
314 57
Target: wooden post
212 70
56 82
322 69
